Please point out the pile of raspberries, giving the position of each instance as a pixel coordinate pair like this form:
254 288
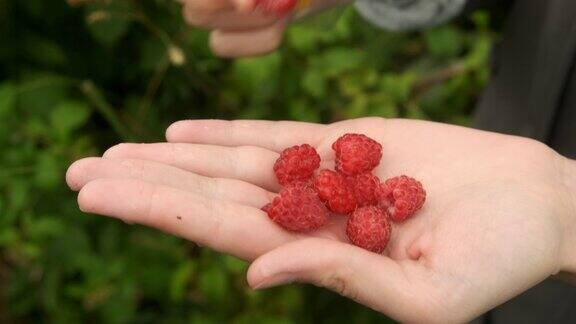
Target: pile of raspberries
307 197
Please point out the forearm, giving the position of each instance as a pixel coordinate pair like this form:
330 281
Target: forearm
569 248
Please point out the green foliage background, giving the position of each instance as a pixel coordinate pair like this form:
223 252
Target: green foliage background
78 76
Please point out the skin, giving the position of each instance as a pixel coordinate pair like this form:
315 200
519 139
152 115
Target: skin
500 215
237 30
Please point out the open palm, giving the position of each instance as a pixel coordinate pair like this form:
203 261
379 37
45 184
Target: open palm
493 226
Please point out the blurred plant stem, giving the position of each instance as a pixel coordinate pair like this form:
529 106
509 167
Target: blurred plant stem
438 77
152 88
94 95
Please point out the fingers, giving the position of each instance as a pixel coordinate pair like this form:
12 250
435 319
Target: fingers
275 136
240 5
227 227
239 43
371 279
238 29
86 170
250 164
218 15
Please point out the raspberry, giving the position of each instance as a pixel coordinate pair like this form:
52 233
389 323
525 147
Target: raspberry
369 228
335 192
266 208
364 187
356 153
297 208
278 7
401 197
297 163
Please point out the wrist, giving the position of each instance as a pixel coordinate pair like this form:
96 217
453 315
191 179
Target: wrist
569 250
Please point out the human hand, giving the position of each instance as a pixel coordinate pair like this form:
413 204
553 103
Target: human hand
499 218
237 28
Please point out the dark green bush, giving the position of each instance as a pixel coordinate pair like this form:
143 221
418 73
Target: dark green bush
78 76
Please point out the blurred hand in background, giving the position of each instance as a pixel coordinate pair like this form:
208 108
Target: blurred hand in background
240 27
237 29
500 216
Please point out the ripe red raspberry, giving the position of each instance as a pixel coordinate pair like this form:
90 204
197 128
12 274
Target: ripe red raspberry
401 197
266 207
297 208
296 163
364 187
356 153
369 228
334 191
278 7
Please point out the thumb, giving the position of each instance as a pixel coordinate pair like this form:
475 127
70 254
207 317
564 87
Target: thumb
371 279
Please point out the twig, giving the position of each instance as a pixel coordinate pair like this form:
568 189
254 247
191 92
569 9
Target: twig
440 76
152 88
94 95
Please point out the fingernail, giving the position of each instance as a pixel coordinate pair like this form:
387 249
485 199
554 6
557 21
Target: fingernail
276 280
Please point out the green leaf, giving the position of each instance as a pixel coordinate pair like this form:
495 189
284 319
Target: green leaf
108 23
358 107
415 112
314 83
481 19
302 111
38 93
443 42
255 74
69 116
36 127
337 60
234 265
398 86
199 318
213 283
291 298
345 23
152 53
303 39
120 307
51 285
42 228
8 236
479 53
382 105
7 98
19 193
352 85
48 172
180 280
45 51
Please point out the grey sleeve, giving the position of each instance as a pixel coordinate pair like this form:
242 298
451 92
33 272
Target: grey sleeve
408 14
